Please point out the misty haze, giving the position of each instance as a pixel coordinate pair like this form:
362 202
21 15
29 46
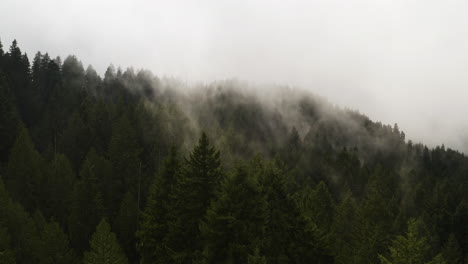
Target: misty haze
233 132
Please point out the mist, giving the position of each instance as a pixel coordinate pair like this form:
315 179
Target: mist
401 62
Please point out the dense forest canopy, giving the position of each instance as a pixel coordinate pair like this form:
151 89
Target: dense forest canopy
133 168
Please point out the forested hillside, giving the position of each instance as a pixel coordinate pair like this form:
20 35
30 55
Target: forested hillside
133 168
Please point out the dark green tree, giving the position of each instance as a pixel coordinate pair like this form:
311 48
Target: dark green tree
234 224
411 248
105 248
25 172
127 224
124 154
52 246
58 188
193 192
154 224
86 205
452 252
9 119
301 241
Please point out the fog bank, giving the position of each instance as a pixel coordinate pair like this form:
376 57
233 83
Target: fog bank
402 62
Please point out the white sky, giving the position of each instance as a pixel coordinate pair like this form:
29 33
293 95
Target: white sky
403 61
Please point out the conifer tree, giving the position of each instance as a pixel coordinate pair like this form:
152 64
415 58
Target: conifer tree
105 248
452 252
58 188
7 255
126 224
154 224
318 206
235 221
411 248
345 230
256 258
193 192
9 119
86 205
25 172
301 241
52 247
124 154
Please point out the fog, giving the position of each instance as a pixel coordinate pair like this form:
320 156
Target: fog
402 62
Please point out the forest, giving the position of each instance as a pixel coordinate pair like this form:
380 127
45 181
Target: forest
135 168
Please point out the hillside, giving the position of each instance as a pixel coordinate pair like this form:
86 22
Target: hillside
226 172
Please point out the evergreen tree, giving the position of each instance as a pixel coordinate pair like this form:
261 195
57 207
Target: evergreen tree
9 119
86 205
411 248
318 206
452 252
235 221
193 192
256 258
7 255
127 224
124 154
25 172
59 187
154 220
301 241
53 245
75 140
105 248
345 231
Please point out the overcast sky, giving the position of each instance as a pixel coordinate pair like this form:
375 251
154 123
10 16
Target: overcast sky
403 61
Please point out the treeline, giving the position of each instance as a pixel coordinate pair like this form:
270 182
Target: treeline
118 170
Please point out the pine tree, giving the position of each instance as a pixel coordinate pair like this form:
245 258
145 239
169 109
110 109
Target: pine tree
193 192
75 140
376 216
124 154
59 186
318 206
127 224
345 230
7 254
53 245
235 221
105 248
86 205
411 248
154 220
256 258
9 119
301 241
25 172
452 252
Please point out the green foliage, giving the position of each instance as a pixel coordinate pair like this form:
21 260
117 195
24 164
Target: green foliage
127 224
58 189
25 182
124 154
155 218
105 248
86 205
52 246
411 248
301 241
193 191
340 187
256 258
9 119
452 252
235 221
